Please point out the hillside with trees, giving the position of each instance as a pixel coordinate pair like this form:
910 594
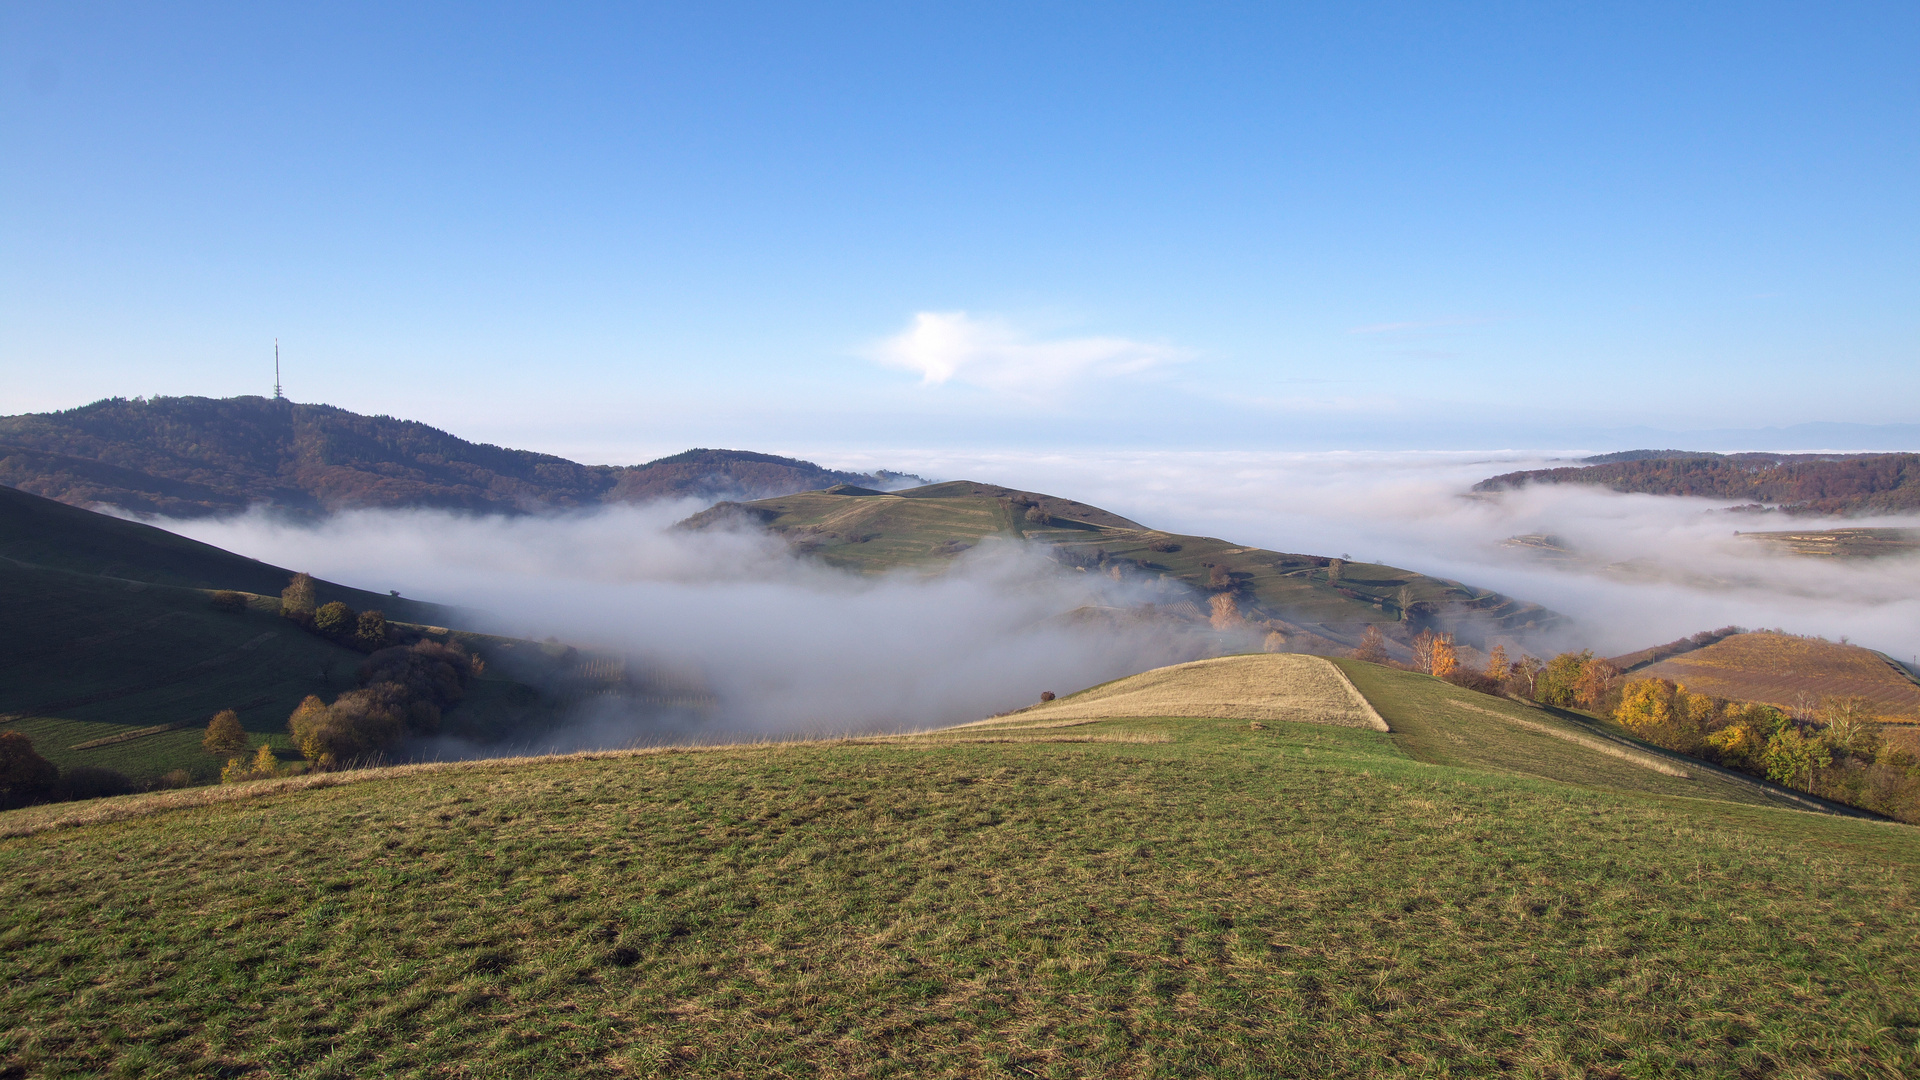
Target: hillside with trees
194 456
1832 484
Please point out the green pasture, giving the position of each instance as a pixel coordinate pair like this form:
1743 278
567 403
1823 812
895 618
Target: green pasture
1294 900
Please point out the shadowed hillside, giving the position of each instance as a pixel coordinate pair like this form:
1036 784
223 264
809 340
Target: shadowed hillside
191 456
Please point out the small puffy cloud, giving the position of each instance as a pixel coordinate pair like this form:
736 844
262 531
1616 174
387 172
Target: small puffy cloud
954 346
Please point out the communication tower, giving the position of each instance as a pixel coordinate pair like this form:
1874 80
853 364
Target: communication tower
277 395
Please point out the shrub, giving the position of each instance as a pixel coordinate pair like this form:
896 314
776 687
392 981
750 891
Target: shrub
336 620
264 766
25 776
229 601
371 631
1046 695
1165 547
225 737
90 782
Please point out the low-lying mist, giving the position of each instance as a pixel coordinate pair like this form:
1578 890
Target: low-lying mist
790 646
1648 568
785 645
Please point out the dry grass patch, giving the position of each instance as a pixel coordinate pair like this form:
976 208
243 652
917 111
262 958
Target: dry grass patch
1265 686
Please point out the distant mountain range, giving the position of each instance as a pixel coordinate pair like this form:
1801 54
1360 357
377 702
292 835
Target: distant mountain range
195 456
1838 484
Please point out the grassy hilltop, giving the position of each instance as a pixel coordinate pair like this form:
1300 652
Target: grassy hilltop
1323 606
1478 892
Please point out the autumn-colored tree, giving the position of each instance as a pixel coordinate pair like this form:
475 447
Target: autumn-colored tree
335 619
1498 664
1335 568
1219 577
1434 654
25 776
1405 600
1373 646
225 737
1596 678
1523 676
1275 642
371 633
297 599
1226 613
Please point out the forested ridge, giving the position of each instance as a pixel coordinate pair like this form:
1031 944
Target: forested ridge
194 456
1849 484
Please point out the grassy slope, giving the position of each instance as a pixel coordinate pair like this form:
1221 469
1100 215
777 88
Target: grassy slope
878 532
45 533
1299 900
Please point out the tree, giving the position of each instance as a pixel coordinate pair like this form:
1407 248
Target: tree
264 766
1226 613
1556 682
1335 567
1405 598
1498 664
225 737
1373 646
1791 758
25 776
1274 642
1850 726
1219 577
371 633
1523 676
297 599
335 619
1596 678
1434 654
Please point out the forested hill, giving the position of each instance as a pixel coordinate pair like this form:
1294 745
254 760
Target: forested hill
1847 484
194 456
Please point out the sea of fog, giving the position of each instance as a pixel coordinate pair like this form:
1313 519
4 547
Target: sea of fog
790 646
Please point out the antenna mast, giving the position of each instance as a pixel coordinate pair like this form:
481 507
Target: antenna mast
277 395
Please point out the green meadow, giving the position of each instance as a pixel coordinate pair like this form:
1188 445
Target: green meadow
1153 897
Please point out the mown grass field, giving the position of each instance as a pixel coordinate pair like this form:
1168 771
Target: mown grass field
1788 671
1297 900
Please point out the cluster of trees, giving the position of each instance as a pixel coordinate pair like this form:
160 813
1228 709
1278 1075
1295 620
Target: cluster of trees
403 691
1836 751
366 631
1802 483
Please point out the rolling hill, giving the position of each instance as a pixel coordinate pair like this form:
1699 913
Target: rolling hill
1792 672
1809 484
1316 605
1486 889
193 456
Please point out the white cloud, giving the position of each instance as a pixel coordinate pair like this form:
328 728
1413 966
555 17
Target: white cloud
948 346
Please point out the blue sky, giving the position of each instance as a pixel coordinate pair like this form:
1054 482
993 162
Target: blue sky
615 232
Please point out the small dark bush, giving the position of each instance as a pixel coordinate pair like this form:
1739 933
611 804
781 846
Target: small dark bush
25 777
228 601
1165 547
1046 695
90 782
